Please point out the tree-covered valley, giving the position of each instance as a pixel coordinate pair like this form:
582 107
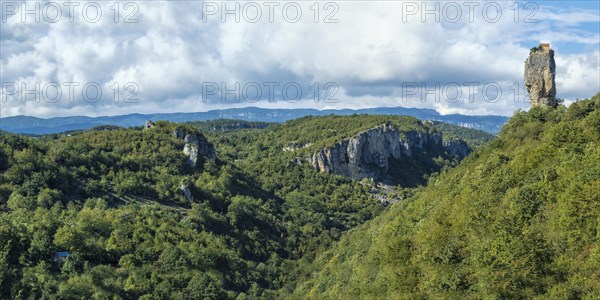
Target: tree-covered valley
231 209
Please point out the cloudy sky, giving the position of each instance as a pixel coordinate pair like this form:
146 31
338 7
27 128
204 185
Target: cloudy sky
100 58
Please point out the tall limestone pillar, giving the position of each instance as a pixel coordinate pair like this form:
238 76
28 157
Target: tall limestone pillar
540 71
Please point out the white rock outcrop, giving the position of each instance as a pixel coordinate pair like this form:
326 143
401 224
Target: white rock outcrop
367 155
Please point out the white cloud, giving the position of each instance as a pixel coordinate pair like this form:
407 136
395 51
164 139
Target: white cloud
369 53
579 75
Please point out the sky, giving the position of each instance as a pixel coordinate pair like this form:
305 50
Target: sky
97 58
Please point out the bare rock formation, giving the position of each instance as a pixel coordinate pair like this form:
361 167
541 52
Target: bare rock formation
187 193
540 70
368 154
457 148
149 124
291 147
196 146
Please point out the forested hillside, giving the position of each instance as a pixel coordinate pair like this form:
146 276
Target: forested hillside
260 151
155 213
518 219
228 124
112 199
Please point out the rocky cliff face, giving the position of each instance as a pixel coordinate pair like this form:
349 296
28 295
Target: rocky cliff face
540 70
196 146
368 154
291 147
457 148
187 193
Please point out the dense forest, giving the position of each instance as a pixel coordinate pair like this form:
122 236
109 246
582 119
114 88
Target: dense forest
121 213
102 213
518 219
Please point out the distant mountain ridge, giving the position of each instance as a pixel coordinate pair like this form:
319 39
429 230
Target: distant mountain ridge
34 125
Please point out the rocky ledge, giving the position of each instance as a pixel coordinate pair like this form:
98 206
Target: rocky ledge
196 146
368 154
457 148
